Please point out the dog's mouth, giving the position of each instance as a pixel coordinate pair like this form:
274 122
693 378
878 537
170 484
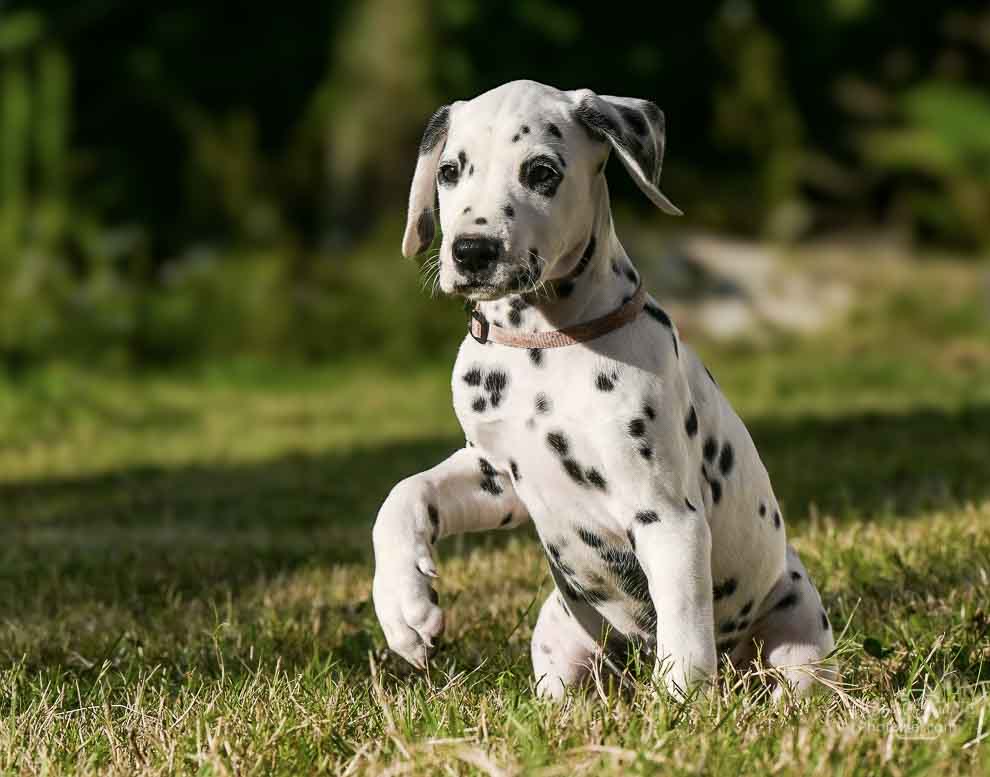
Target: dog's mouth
520 280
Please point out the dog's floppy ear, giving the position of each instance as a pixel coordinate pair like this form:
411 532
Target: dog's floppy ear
635 129
421 220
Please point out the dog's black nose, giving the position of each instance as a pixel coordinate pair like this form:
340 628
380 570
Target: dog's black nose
474 254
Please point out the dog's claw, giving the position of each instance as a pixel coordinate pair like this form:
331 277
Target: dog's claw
427 567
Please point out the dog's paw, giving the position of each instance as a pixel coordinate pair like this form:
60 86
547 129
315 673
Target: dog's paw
407 608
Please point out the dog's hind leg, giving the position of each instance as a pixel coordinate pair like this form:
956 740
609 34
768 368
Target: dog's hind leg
794 632
563 652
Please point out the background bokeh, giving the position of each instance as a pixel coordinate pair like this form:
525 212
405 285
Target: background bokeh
191 181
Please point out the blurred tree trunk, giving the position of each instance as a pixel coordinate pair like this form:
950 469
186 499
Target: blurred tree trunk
377 101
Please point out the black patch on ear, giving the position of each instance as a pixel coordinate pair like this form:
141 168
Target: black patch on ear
634 119
553 130
436 129
425 229
596 123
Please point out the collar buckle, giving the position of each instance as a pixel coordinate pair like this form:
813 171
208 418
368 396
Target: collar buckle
479 323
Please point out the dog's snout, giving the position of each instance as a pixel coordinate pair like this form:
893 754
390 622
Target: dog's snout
474 254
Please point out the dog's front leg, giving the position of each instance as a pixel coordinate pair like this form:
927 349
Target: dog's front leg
673 544
464 493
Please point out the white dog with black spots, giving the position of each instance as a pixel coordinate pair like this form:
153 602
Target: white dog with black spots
655 511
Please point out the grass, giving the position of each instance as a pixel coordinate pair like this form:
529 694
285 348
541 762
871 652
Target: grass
185 571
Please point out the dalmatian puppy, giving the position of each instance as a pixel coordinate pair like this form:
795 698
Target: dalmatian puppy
657 516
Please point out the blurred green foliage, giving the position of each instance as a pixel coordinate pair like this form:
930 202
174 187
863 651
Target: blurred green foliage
194 180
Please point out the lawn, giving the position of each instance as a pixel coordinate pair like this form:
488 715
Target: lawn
186 568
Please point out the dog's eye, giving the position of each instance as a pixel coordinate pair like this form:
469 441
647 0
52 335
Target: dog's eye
540 175
448 174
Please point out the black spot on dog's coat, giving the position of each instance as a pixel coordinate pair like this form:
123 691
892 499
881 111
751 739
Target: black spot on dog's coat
552 129
724 589
524 129
543 403
596 479
536 356
489 480
565 288
763 509
506 520
495 384
689 506
647 517
462 158
649 412
646 452
514 469
746 608
589 538
727 627
716 491
726 459
710 449
691 423
603 382
515 318
479 405
660 316
795 576
574 470
777 521
509 211
788 601
473 377
637 427
825 624
558 443
434 515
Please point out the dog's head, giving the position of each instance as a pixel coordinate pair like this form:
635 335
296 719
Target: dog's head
512 176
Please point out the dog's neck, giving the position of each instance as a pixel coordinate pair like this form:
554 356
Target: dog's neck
597 278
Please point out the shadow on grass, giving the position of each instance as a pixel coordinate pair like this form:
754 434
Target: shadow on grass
137 541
